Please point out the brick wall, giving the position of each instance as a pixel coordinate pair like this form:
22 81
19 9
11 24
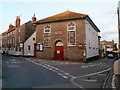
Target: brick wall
70 52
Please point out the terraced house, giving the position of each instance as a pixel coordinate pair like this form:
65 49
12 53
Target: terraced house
15 37
67 36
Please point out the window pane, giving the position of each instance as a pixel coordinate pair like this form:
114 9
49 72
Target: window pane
71 38
47 36
28 47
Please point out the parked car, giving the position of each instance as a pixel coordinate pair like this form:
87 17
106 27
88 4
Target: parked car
110 56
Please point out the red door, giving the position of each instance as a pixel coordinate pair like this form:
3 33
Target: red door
35 50
59 52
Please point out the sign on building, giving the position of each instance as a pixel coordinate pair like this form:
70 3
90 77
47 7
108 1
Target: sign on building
21 45
39 47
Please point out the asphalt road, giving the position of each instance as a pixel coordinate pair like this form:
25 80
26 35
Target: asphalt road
24 72
19 73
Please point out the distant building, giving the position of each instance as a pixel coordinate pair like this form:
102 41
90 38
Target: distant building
15 37
107 46
68 36
30 46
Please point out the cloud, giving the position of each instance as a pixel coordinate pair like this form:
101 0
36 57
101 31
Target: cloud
110 35
3 29
109 32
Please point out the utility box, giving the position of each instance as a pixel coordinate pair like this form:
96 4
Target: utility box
117 67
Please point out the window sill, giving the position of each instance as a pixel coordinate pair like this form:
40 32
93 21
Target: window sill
89 47
47 46
71 45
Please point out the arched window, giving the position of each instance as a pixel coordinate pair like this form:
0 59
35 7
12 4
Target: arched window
71 34
47 31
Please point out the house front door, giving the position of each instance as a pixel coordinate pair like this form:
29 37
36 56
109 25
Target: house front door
35 50
59 51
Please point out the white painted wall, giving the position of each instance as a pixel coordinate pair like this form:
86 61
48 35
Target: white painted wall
31 43
91 40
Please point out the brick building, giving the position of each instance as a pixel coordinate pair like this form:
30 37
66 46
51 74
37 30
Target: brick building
15 37
68 35
107 47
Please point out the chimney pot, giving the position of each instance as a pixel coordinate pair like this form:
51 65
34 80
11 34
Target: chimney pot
33 18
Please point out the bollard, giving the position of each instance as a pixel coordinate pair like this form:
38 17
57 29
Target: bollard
117 67
117 73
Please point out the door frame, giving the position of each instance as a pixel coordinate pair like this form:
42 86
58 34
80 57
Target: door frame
55 48
35 50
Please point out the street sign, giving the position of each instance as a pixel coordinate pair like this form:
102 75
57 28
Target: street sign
80 45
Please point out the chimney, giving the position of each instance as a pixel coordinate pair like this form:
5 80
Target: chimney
10 27
17 22
33 18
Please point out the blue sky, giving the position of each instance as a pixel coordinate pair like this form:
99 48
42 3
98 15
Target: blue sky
103 12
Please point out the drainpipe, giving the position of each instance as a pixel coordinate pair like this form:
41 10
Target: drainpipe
84 48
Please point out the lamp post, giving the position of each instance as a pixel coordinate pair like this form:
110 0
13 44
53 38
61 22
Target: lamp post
118 31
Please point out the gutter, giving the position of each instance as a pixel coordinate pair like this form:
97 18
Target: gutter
57 20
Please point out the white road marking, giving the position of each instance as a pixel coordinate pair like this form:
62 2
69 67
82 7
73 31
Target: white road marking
101 74
72 81
84 66
94 73
64 74
91 65
17 61
7 62
91 80
58 71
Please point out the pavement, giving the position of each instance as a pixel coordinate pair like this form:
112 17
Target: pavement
111 80
117 82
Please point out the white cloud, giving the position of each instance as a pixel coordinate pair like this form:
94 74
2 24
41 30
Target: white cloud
3 29
109 32
110 35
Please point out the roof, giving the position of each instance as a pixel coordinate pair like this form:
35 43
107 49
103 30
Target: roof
11 29
64 15
67 15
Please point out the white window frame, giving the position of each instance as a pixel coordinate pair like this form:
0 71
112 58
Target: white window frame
19 30
13 40
89 38
11 33
28 48
19 39
47 33
94 40
69 31
8 41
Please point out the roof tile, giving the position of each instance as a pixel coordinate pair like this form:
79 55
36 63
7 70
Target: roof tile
64 15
